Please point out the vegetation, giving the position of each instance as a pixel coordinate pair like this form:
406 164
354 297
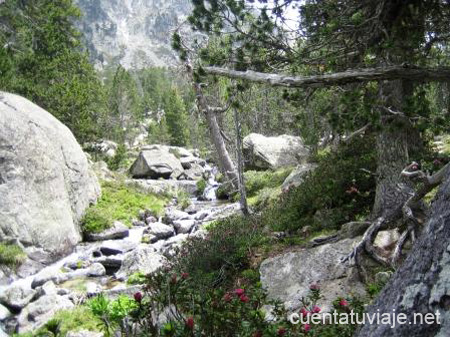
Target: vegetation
122 203
11 255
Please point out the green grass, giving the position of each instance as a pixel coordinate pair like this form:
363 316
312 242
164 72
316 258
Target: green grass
11 255
122 203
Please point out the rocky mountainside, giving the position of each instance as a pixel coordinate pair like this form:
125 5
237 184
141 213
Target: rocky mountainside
134 33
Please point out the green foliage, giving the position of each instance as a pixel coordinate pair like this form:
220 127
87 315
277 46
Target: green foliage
46 64
183 198
11 255
201 185
176 118
112 314
223 253
338 191
136 278
122 203
118 159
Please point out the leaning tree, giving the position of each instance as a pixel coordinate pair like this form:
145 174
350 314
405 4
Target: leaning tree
383 50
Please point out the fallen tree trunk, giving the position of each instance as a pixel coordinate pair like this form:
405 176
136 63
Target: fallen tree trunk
422 283
404 72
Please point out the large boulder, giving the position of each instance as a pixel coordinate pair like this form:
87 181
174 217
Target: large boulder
288 277
263 152
143 259
156 162
297 176
45 181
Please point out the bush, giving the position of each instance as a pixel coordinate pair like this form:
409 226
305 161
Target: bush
223 253
122 203
115 162
201 186
338 191
11 255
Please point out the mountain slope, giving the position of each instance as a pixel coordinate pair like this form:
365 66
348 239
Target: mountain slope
134 33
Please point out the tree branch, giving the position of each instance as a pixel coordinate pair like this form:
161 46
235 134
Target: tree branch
406 72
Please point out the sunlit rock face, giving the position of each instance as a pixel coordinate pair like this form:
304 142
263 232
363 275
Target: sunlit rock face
134 33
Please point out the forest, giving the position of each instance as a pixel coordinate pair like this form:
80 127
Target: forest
362 86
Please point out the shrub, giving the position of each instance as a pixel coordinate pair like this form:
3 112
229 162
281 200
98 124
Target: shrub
122 203
338 191
201 186
11 255
223 253
115 162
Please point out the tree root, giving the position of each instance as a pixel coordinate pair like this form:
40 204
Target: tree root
407 212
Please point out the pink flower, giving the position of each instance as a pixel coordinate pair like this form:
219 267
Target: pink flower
314 286
244 298
315 309
239 292
304 312
184 276
281 331
190 323
138 297
343 303
306 327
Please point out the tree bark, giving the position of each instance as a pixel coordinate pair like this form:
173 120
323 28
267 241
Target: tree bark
392 190
421 284
405 72
241 182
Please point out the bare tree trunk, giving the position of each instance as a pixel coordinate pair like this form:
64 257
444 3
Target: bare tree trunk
421 284
241 182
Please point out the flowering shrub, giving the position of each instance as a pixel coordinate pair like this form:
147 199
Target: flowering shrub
188 312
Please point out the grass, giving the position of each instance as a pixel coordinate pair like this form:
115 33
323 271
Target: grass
122 203
11 255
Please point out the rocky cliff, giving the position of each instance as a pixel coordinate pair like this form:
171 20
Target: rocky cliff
134 33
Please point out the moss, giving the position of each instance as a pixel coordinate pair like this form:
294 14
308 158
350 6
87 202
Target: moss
122 203
256 181
11 255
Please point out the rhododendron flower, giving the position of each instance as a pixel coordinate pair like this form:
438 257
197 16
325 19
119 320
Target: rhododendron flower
239 292
343 303
173 280
138 297
315 309
304 312
190 323
306 327
314 286
184 276
281 331
244 298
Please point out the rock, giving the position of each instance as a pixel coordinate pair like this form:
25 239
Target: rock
142 259
117 247
117 231
16 296
387 239
195 172
113 262
287 277
96 269
160 231
84 333
53 274
43 166
3 333
297 176
39 312
150 220
184 226
263 153
174 214
353 229
138 223
92 288
176 240
105 147
162 186
48 288
122 289
4 313
102 171
383 276
156 162
28 268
